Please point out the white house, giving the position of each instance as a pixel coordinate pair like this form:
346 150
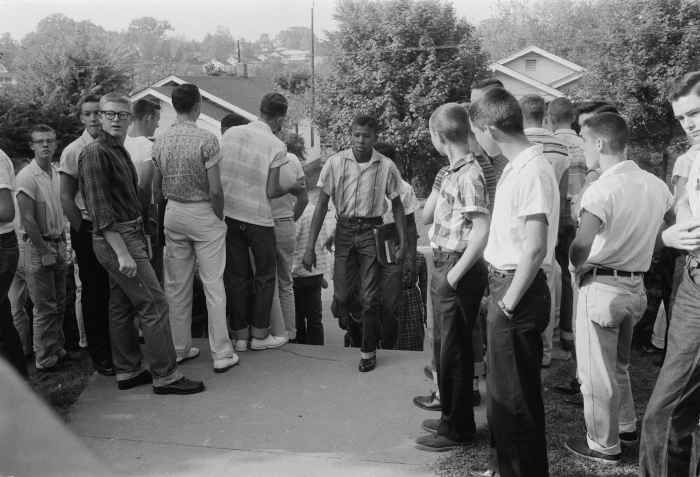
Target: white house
223 95
6 78
536 71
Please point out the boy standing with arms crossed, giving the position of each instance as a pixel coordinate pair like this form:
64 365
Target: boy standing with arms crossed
522 237
458 235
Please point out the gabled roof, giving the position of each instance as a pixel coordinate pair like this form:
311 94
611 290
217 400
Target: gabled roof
526 79
544 53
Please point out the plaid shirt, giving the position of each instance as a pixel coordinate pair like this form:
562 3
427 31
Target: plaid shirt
462 193
490 177
108 182
557 153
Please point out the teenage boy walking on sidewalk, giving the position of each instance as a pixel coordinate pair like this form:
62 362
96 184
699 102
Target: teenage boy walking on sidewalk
358 180
621 215
458 234
522 238
674 407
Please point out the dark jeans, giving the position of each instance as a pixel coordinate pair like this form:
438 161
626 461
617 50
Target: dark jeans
249 318
674 407
94 281
658 282
357 271
307 303
514 401
140 296
561 253
391 295
457 310
10 345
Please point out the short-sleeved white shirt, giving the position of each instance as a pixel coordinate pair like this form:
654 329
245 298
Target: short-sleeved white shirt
44 188
681 168
408 200
141 151
283 207
631 204
693 185
7 181
527 187
69 165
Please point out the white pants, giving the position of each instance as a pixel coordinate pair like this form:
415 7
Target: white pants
193 231
283 301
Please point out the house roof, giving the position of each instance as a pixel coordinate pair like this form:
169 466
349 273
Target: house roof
208 108
539 51
497 67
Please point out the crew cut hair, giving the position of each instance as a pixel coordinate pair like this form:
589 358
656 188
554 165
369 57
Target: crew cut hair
88 98
533 108
683 86
451 121
144 107
40 128
610 127
560 110
497 108
115 98
185 97
367 120
486 83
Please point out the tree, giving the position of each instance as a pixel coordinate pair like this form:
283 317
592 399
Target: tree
147 35
399 60
8 49
294 38
219 45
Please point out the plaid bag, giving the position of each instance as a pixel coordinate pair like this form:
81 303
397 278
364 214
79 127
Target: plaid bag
412 314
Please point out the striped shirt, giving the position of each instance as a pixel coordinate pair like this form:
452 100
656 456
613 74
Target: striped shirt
358 190
249 151
462 193
577 161
69 165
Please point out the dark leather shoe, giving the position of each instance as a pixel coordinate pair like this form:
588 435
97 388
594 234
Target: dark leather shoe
629 438
429 403
144 377
579 446
476 398
181 386
105 369
430 425
438 443
428 371
367 364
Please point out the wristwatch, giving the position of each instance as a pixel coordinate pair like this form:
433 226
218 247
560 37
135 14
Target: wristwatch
506 311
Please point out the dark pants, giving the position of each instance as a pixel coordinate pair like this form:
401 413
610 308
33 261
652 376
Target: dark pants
514 401
457 309
658 282
10 345
674 407
391 294
95 295
561 253
249 318
357 271
307 303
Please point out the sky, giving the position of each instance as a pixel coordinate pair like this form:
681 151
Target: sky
194 18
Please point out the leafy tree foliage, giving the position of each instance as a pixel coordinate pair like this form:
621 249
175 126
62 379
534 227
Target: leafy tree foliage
399 60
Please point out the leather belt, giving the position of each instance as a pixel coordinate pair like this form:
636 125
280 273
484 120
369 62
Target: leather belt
611 272
46 238
359 221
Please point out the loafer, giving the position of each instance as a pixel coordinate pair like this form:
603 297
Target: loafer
629 438
437 443
429 403
579 447
223 365
430 425
192 353
181 386
144 377
240 346
270 342
367 364
105 368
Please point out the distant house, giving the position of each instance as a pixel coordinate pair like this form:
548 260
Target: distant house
536 71
223 95
6 78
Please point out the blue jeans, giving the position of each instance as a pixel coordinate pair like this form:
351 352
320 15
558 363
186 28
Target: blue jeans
140 296
674 407
10 346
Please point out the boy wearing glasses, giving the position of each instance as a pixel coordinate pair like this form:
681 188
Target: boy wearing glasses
41 230
108 182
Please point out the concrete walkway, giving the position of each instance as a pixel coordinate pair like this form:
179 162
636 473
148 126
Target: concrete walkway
296 411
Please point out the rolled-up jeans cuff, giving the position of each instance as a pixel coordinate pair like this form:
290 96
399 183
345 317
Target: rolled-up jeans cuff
612 450
259 333
124 376
628 426
171 378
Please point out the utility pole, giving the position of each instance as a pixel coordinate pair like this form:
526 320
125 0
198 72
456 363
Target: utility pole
313 75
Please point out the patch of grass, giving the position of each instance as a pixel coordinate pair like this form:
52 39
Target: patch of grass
563 422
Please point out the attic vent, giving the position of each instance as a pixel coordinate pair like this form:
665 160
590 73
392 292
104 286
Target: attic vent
530 65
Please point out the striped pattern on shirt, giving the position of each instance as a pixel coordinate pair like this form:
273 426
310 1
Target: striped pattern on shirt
577 161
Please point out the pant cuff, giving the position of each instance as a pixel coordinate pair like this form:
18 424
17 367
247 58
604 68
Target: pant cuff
259 333
610 450
123 376
628 427
369 355
169 379
242 334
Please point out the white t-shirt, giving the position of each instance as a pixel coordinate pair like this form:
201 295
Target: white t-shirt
527 187
141 151
283 207
631 204
693 185
7 181
408 199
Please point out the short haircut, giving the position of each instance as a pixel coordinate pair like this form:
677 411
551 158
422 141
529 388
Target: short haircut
114 98
451 121
560 110
487 83
41 128
231 120
185 97
683 86
295 145
611 128
273 105
88 98
533 108
595 107
386 150
144 107
497 108
366 120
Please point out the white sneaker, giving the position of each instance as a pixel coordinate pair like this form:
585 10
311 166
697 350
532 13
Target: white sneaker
192 353
268 343
224 364
241 345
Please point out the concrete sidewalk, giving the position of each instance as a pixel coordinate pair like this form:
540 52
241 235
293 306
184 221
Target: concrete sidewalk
296 411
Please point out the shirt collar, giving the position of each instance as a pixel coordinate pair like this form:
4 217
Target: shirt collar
522 159
261 125
566 131
109 140
620 168
376 157
461 162
537 131
86 137
38 171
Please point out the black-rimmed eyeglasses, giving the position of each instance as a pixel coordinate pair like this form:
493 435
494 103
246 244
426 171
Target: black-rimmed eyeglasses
122 115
